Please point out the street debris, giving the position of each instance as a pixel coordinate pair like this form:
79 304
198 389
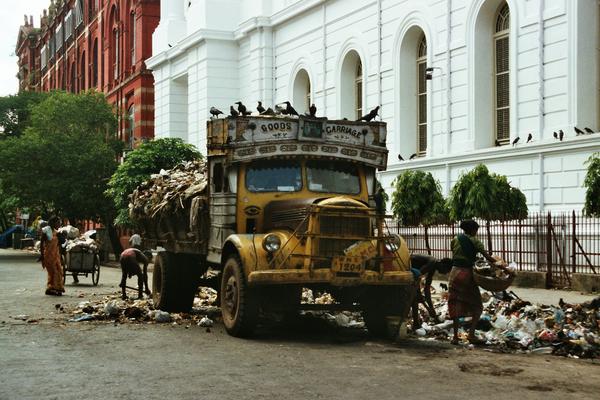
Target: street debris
168 191
113 308
516 325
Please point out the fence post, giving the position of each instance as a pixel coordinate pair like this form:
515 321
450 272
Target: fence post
549 251
574 246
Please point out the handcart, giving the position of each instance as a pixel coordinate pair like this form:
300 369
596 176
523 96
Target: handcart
82 261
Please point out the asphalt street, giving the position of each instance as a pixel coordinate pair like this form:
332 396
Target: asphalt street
42 355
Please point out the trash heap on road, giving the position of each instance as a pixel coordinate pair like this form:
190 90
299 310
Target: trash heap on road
113 308
169 190
516 325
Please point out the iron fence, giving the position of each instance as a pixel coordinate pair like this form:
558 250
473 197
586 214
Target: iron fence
567 242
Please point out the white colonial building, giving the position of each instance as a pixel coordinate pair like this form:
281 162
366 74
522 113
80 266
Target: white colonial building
502 69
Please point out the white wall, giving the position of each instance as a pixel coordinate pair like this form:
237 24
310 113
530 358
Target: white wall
252 50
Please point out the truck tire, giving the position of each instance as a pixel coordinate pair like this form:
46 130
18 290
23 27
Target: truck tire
239 303
174 282
378 303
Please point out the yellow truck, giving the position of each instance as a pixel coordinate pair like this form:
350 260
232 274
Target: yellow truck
289 204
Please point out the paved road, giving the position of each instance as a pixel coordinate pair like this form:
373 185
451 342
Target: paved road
56 359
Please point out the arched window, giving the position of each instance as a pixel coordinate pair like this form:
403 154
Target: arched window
82 73
73 79
502 74
421 97
95 64
132 37
358 85
131 126
301 93
351 86
115 56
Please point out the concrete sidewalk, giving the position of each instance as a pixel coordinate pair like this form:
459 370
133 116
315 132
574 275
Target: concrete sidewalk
543 296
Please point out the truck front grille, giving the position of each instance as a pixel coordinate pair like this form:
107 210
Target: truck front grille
341 226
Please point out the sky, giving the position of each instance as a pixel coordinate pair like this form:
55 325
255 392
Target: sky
11 19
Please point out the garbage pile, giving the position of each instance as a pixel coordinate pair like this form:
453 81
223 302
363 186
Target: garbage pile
113 308
168 191
516 325
344 319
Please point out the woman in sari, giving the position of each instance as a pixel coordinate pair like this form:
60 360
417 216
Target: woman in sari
464 297
50 258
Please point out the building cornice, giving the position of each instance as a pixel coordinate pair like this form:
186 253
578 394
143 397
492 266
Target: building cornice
586 142
188 42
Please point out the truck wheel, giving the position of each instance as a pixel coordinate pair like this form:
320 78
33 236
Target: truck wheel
239 304
379 303
174 282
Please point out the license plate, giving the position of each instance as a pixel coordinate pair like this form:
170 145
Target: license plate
348 264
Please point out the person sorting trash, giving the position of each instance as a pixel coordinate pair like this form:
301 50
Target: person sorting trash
130 259
427 266
464 297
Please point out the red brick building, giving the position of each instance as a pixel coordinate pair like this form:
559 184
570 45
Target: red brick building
95 44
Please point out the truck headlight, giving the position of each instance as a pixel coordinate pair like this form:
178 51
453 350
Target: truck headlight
271 243
393 243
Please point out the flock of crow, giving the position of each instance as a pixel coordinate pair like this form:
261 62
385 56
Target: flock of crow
557 135
284 108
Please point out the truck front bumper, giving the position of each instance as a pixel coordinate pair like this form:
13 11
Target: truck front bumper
325 275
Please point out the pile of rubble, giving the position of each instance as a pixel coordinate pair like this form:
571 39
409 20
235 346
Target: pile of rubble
113 308
515 325
169 190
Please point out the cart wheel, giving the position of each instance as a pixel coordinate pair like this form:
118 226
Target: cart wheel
96 271
63 262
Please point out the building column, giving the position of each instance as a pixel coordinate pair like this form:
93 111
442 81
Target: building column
172 26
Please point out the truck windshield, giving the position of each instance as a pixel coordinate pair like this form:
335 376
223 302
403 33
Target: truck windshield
332 177
274 176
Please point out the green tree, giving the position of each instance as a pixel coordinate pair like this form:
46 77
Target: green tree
592 183
15 112
147 159
479 194
63 160
418 200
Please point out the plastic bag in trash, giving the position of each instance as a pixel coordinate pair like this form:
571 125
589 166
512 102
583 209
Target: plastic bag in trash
205 322
161 316
82 317
420 332
111 308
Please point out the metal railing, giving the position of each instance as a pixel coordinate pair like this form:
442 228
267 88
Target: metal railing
567 242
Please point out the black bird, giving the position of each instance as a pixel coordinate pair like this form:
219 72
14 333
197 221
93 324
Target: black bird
372 114
555 135
215 112
400 158
260 108
514 142
588 130
280 110
169 44
232 112
578 131
290 110
312 110
242 109
413 155
561 135
497 143
268 111
529 137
